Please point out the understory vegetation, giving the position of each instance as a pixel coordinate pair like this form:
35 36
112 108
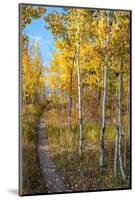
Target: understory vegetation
83 173
32 177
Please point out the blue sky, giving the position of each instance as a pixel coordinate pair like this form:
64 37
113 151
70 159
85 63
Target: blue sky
36 31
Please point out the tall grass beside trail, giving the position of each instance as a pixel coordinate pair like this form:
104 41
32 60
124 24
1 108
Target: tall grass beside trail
82 173
32 178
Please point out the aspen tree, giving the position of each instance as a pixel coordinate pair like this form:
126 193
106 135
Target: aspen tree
79 84
103 126
122 25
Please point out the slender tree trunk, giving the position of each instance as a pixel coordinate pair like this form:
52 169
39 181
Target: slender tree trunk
120 121
116 152
79 87
126 130
70 97
103 126
107 55
70 101
101 157
118 146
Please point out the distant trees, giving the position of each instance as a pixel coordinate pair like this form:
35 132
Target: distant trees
32 68
33 87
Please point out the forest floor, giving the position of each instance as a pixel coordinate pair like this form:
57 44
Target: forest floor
83 173
53 179
63 170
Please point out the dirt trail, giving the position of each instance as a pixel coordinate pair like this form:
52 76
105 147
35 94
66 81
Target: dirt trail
52 177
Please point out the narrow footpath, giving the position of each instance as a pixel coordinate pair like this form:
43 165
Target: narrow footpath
52 177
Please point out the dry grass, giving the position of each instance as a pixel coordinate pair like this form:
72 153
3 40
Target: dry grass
82 173
32 178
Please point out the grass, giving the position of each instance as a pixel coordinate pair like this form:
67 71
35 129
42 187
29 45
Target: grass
32 178
82 173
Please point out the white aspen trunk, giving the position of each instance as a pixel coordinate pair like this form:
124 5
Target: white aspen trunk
70 103
126 131
120 122
71 95
79 87
103 126
101 151
116 152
